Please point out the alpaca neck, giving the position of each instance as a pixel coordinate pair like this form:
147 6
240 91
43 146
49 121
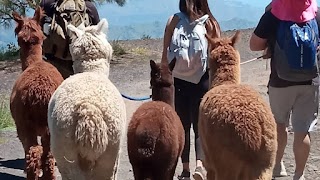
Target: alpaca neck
164 94
30 54
226 74
96 65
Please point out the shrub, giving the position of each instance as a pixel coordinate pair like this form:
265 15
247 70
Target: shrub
145 37
5 115
118 50
11 51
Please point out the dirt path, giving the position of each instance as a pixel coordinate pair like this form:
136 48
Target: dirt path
131 76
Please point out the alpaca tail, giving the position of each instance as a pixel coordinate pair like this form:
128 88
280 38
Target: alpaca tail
33 161
147 140
91 133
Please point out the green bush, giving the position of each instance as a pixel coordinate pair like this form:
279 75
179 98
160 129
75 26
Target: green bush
5 114
145 37
11 51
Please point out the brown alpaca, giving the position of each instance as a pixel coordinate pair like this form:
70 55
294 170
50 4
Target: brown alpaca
236 126
30 97
155 133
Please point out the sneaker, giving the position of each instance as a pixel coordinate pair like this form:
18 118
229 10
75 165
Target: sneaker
279 170
296 177
198 173
185 175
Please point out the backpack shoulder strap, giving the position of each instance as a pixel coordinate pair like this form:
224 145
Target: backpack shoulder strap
182 16
70 5
201 20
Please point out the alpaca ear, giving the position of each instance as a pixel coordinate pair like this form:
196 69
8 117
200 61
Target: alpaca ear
38 15
153 64
172 64
73 31
17 17
211 41
235 38
102 25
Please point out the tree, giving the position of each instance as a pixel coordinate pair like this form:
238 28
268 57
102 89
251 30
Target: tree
23 6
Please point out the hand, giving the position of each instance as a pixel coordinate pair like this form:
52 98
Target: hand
266 53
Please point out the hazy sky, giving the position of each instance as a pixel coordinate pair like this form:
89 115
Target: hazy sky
146 11
155 9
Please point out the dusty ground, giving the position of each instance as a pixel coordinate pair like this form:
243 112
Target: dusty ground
130 73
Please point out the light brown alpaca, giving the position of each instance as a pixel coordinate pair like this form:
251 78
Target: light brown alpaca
236 126
30 97
155 133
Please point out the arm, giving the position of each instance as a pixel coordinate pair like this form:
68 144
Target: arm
171 24
92 12
48 8
265 30
257 43
268 7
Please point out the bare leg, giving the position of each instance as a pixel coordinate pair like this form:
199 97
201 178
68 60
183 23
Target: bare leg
282 142
301 149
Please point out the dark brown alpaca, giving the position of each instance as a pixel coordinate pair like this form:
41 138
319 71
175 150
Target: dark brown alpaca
236 125
155 133
162 82
30 97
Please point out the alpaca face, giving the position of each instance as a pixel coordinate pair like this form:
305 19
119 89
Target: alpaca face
161 75
90 43
224 61
223 50
28 30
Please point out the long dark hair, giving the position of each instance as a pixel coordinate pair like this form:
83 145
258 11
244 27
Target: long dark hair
197 8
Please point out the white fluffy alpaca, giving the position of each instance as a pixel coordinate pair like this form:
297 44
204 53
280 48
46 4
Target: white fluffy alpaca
86 114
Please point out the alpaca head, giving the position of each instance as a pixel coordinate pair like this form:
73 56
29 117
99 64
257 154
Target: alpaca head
89 48
28 30
224 61
162 81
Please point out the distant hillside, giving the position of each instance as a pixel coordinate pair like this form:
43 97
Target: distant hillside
237 23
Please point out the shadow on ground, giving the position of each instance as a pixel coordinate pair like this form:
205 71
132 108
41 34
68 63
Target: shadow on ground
13 164
6 176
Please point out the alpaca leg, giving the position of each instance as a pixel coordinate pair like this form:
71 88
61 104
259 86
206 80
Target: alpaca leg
47 159
29 140
173 170
33 161
224 169
266 174
106 165
210 174
160 173
229 171
138 173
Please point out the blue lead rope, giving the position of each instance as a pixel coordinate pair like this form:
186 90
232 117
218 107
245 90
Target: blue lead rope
136 98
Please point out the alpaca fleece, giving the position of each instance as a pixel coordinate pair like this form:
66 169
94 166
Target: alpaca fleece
155 135
30 97
87 115
236 126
